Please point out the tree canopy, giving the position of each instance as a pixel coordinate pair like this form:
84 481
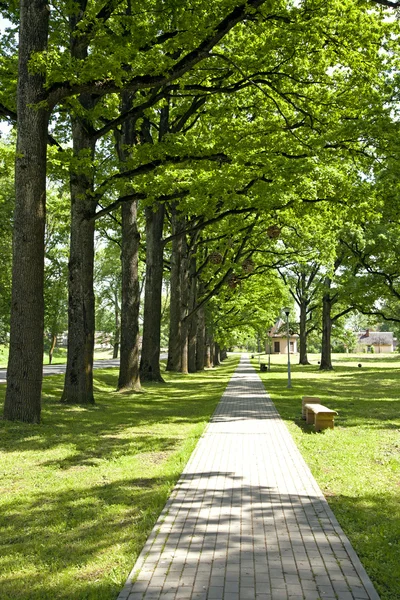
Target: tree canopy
218 143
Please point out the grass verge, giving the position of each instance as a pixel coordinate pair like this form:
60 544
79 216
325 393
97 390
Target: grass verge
80 492
357 465
59 356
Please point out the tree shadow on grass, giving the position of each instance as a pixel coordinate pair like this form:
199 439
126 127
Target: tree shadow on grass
365 398
372 523
66 530
276 514
84 527
118 423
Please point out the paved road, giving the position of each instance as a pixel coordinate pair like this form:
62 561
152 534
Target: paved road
247 519
58 369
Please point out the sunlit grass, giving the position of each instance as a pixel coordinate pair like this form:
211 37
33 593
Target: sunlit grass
59 356
3 355
80 492
357 464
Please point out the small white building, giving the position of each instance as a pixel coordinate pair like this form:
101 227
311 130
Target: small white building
277 343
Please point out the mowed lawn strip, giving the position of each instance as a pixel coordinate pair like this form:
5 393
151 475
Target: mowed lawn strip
357 465
80 493
59 356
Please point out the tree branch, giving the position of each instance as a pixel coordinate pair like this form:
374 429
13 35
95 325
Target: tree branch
151 166
62 90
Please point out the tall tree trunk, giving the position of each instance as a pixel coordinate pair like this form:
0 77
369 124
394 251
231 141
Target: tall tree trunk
150 357
184 308
25 364
78 384
191 305
200 340
52 346
117 331
326 357
129 377
223 354
193 319
217 358
175 341
192 343
303 358
303 303
209 351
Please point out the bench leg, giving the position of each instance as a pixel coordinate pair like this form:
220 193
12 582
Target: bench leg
310 417
323 422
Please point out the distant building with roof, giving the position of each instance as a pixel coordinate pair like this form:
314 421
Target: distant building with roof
277 342
382 342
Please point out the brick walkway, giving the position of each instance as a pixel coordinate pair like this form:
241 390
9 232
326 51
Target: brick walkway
247 519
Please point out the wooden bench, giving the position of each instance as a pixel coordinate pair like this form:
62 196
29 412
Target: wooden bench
320 416
308 400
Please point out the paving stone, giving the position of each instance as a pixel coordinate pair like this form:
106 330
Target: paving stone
279 595
217 581
277 583
246 519
247 593
308 584
247 582
215 593
231 596
359 593
326 591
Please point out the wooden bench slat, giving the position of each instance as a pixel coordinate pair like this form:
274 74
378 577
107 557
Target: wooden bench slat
320 408
320 416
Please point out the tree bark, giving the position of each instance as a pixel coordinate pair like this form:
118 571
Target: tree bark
209 351
25 364
175 341
78 384
184 308
192 334
117 331
52 346
150 356
326 356
200 340
129 377
303 358
217 357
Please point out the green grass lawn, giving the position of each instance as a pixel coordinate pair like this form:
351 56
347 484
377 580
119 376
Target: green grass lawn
59 356
80 492
3 355
357 465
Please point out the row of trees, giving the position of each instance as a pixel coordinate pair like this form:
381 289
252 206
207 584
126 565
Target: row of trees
215 143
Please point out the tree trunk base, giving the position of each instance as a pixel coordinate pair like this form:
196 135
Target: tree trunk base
151 377
134 387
